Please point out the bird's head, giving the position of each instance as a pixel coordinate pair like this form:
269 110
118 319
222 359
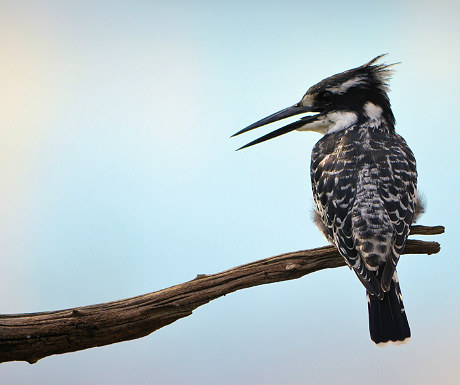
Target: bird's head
355 96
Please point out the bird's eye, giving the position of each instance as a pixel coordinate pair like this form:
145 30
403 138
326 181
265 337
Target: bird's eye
326 97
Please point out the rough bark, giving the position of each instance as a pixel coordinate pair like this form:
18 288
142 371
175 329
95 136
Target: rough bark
30 337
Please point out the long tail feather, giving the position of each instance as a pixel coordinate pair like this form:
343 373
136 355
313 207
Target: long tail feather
387 317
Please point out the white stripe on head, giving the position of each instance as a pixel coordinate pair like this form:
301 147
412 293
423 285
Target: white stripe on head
344 87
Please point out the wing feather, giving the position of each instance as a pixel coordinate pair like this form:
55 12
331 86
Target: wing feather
364 187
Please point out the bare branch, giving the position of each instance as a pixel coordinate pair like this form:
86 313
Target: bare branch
30 337
426 230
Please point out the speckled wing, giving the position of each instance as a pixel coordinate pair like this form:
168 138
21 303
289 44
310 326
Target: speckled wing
364 189
334 182
398 190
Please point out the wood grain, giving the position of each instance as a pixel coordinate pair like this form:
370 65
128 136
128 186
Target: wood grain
30 337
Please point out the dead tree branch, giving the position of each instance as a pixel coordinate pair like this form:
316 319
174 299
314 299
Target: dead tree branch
30 337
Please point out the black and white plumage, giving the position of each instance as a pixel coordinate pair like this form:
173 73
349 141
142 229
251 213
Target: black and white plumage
364 183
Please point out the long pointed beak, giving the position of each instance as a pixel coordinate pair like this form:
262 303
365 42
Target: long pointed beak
286 113
296 109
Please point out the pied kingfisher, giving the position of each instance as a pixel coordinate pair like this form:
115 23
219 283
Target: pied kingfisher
364 182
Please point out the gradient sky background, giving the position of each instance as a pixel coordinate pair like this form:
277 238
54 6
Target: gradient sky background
118 177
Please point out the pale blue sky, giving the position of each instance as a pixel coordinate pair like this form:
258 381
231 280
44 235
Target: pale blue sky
118 178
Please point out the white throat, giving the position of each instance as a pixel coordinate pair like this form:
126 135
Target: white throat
332 122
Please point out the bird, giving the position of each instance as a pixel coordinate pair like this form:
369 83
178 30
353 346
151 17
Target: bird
364 182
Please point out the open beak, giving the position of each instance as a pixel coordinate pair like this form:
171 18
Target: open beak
286 113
